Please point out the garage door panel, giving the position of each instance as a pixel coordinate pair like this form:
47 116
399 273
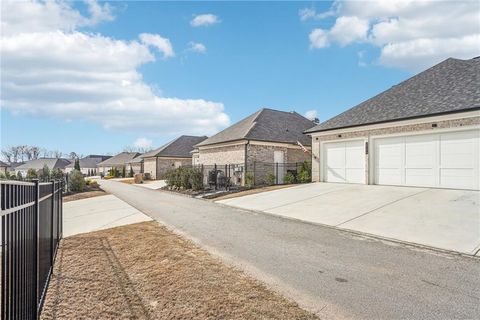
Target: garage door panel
389 154
458 150
457 178
355 175
354 155
335 175
420 152
335 156
419 177
388 176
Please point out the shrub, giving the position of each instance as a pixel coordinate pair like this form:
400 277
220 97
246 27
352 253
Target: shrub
31 174
77 181
57 174
123 172
305 174
3 176
113 173
186 178
249 180
19 176
44 174
289 178
131 172
270 178
196 179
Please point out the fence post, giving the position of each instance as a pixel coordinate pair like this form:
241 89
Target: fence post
254 170
215 174
51 223
37 244
276 172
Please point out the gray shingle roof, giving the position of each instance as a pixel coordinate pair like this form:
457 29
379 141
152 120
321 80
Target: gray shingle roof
450 86
266 125
137 159
118 160
179 147
37 164
89 162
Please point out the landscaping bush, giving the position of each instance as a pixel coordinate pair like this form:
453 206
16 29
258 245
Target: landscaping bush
31 174
270 178
57 174
131 174
76 181
44 174
113 173
3 176
249 180
289 178
19 175
305 174
185 178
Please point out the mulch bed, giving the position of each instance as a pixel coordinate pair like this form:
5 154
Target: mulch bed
84 195
144 271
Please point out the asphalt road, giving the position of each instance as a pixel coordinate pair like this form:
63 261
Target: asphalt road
334 273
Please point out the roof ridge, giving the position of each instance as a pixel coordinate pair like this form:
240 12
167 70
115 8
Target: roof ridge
254 121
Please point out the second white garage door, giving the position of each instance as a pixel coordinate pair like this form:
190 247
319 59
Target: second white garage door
448 160
344 161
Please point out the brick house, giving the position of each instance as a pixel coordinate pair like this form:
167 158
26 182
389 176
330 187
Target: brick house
88 164
135 165
38 164
172 155
265 137
118 161
422 132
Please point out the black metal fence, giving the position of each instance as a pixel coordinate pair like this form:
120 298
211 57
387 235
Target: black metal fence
31 230
255 173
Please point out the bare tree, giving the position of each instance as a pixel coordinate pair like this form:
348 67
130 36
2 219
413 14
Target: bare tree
57 154
136 149
7 155
73 155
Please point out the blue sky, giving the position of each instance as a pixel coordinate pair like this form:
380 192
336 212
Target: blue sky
264 54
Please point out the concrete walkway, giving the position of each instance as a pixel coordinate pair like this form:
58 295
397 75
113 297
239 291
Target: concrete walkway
331 272
441 218
98 213
155 184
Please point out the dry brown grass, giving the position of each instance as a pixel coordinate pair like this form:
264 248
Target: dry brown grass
254 191
143 271
84 195
128 181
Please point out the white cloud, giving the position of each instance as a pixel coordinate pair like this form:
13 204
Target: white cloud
310 13
204 20
143 143
311 114
60 72
198 47
410 34
162 44
318 38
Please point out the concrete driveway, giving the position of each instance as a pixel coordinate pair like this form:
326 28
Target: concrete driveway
98 213
442 218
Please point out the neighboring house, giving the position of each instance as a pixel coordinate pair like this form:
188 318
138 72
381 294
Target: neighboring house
88 164
422 132
38 164
119 162
174 154
4 167
136 164
266 137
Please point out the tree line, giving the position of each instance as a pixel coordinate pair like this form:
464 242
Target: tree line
22 153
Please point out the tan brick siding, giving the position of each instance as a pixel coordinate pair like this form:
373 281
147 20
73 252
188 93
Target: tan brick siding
222 155
157 167
149 166
426 127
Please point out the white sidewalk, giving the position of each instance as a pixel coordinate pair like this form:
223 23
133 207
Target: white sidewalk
98 213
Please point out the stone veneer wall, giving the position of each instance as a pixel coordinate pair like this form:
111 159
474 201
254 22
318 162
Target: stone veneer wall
427 126
149 166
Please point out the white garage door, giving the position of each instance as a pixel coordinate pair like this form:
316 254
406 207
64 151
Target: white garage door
344 161
444 160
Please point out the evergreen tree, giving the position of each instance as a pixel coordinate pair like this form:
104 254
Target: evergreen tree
123 172
77 164
131 172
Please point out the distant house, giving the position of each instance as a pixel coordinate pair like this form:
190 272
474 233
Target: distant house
119 162
4 167
174 154
136 165
38 164
266 137
88 164
422 132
